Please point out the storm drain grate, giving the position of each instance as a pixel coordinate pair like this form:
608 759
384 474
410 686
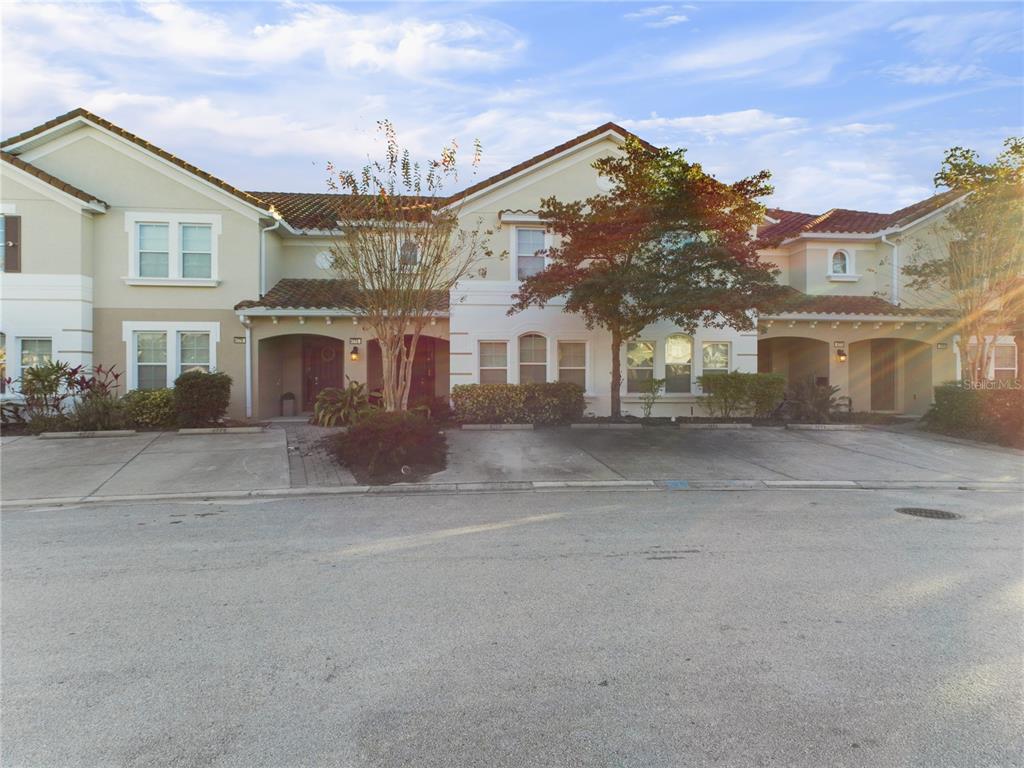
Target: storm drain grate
933 514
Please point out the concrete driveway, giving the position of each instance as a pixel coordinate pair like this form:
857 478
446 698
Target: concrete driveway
148 463
699 455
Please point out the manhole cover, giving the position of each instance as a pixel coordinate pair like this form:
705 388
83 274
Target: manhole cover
934 514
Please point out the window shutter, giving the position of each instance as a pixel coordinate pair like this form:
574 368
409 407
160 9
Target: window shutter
12 246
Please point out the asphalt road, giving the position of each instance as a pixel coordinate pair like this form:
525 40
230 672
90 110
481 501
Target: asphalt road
771 628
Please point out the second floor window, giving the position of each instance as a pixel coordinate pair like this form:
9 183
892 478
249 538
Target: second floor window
529 242
840 263
173 247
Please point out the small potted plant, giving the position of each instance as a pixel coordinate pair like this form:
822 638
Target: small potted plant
288 404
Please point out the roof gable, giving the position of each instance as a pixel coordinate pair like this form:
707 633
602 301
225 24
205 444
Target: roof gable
90 201
66 123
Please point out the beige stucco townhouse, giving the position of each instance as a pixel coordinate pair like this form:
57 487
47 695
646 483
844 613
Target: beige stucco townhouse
117 252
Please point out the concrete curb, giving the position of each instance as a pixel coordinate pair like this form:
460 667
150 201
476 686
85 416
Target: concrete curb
608 425
538 486
713 425
83 435
221 430
496 427
828 427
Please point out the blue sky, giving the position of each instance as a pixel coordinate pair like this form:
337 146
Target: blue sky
849 105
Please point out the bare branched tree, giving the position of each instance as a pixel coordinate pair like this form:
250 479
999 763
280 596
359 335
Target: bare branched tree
401 247
974 259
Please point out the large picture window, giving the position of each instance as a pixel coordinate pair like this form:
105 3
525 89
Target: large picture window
639 365
533 359
678 363
572 363
493 362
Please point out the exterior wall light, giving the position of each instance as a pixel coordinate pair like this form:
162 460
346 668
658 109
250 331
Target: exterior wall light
354 355
841 355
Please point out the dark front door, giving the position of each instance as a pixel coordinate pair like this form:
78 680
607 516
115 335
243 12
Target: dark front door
422 383
883 374
323 365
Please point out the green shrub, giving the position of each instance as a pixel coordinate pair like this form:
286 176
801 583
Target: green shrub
336 406
726 394
814 402
547 403
764 393
201 398
149 408
97 407
382 442
993 415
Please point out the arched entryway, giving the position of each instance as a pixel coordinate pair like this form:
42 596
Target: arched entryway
798 359
429 368
299 365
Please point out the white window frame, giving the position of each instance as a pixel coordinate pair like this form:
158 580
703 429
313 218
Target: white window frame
174 222
129 329
729 366
1012 345
850 275
547 355
665 364
625 360
479 358
514 246
21 346
586 361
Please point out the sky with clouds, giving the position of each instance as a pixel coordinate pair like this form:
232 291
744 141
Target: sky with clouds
849 105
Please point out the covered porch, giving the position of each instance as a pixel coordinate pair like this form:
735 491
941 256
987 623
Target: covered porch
298 344
882 364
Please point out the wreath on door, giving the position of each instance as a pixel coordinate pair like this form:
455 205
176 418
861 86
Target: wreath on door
327 354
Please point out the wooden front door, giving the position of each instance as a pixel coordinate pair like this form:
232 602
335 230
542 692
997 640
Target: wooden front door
323 365
422 378
883 374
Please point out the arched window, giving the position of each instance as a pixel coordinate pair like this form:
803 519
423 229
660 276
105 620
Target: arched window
533 359
840 263
678 363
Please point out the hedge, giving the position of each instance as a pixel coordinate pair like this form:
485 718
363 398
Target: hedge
152 408
549 403
380 443
728 394
201 398
992 415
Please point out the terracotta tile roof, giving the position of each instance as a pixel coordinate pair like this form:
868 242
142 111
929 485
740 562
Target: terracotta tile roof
843 220
53 181
320 210
796 302
87 115
294 293
583 137
789 223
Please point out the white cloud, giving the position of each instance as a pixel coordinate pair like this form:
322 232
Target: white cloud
725 124
860 129
938 74
199 39
950 35
669 21
644 13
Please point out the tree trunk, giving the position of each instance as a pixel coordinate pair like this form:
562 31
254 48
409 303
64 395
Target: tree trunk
616 374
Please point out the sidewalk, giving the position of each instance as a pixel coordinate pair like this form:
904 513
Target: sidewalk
289 459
